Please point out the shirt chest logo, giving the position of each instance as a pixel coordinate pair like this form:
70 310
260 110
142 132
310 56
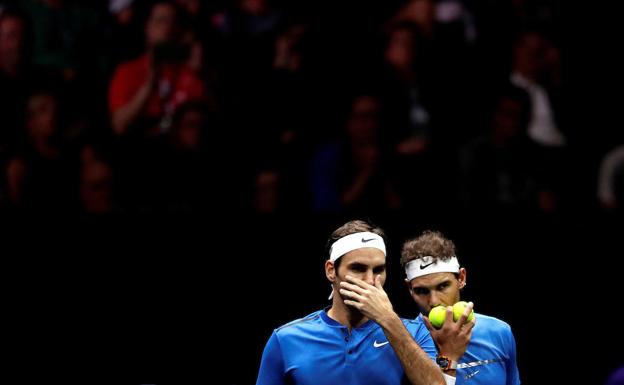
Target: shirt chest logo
379 344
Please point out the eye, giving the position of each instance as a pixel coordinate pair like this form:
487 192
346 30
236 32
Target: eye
443 286
379 269
421 291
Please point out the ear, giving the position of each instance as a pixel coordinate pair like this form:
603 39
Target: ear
330 271
462 278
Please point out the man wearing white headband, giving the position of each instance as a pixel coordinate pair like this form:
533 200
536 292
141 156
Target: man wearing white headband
358 339
481 353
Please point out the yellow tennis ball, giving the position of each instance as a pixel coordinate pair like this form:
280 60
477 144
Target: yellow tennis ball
458 310
437 316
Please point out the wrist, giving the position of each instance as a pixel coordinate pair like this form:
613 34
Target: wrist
446 363
389 319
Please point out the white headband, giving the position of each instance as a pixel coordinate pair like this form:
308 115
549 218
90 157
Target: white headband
355 241
427 265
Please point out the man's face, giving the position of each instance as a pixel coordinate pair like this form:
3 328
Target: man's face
11 37
364 264
436 289
161 24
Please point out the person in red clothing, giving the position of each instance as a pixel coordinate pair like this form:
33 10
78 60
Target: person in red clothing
145 92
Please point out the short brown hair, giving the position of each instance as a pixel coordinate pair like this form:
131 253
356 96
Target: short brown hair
429 243
352 227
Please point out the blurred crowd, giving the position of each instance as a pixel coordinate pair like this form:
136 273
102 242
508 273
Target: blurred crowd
312 107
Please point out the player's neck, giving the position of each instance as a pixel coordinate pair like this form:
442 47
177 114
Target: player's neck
345 315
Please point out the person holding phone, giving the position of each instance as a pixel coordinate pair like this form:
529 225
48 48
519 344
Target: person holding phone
145 92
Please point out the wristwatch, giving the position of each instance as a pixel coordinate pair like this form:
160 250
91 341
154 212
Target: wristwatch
445 363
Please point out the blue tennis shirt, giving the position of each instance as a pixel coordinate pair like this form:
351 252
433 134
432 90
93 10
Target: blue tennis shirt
317 350
491 355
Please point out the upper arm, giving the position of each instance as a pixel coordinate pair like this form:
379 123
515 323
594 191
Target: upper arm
272 366
120 89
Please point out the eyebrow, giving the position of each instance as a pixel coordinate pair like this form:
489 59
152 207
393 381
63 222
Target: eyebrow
365 266
446 281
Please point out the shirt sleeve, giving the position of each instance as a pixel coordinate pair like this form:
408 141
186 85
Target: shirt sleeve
424 340
272 365
513 376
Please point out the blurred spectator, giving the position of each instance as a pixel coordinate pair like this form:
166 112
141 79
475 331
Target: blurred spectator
611 179
536 70
349 174
40 176
96 182
65 35
249 17
498 169
267 192
14 76
145 92
247 32
188 174
125 34
406 90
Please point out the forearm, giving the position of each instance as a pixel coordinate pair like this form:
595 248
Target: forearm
356 189
418 366
126 115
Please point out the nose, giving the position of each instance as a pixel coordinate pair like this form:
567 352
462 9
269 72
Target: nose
434 300
369 277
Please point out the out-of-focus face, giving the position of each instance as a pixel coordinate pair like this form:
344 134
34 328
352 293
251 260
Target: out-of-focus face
96 189
529 55
267 192
189 129
192 6
421 12
11 38
364 119
254 7
400 51
508 118
161 25
41 116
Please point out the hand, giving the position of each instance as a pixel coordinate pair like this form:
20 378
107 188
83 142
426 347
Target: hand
372 301
453 337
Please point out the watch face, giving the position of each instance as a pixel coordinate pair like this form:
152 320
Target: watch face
442 362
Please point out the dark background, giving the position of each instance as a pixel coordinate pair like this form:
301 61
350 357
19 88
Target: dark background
149 296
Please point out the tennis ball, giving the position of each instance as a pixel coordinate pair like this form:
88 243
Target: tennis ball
437 316
458 310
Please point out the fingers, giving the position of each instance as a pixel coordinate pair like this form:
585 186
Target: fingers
378 282
351 287
449 317
354 304
462 319
467 327
351 294
357 281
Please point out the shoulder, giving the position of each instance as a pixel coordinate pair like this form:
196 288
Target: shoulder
494 330
415 325
299 324
132 66
493 323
